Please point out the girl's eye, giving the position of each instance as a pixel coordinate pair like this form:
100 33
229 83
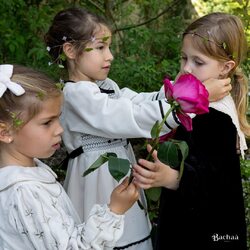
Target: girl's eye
184 58
199 63
100 47
47 123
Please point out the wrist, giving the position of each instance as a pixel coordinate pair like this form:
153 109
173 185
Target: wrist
116 210
173 180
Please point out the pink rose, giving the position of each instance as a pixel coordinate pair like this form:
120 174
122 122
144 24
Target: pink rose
190 94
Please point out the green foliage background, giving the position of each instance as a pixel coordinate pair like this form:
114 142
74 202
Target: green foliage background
146 40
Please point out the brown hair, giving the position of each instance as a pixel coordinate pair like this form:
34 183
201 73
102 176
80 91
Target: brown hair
18 110
74 25
221 37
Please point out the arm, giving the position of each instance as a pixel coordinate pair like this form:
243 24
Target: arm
143 96
134 96
93 112
217 89
45 221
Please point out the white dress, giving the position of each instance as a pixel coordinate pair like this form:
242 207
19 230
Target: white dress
100 118
36 213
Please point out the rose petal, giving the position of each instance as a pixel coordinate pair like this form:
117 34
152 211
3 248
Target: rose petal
188 105
185 120
167 136
188 81
191 95
168 87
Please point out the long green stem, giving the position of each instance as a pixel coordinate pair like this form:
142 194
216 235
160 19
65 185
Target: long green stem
156 139
155 143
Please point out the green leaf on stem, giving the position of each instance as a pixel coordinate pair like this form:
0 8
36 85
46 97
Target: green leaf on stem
153 193
183 147
168 154
100 161
174 153
118 167
155 130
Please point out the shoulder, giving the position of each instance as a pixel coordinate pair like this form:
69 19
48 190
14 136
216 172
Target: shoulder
78 90
17 175
108 84
214 131
27 182
214 120
33 190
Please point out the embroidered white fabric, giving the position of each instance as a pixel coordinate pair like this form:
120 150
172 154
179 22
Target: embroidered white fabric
36 213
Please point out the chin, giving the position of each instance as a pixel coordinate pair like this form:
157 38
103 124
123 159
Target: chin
45 156
101 78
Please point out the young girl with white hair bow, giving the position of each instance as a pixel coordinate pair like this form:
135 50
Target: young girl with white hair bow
35 211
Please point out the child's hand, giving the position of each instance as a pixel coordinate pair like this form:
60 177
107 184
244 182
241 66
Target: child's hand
155 174
217 88
123 197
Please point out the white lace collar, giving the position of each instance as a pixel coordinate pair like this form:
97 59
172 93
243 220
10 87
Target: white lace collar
227 106
11 175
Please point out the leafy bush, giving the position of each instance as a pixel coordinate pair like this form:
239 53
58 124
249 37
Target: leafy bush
245 170
143 54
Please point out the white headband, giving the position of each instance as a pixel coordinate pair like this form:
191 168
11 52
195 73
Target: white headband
6 71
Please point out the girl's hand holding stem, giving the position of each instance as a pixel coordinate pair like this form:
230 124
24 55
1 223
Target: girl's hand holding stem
123 197
155 174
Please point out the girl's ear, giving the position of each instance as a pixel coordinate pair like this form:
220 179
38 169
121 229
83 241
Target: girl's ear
5 134
69 50
227 67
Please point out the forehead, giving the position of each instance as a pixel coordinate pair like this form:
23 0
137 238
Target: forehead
190 46
200 45
188 41
50 107
102 31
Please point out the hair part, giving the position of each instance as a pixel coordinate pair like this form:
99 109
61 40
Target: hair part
74 25
16 111
221 36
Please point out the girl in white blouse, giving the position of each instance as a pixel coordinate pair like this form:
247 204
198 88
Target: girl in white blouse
35 211
99 117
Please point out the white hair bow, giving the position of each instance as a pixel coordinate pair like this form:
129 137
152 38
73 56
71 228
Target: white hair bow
6 71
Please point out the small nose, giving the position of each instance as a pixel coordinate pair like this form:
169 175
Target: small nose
59 129
187 68
110 56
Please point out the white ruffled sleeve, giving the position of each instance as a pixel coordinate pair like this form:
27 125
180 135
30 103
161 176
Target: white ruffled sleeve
143 96
87 110
134 96
44 221
101 230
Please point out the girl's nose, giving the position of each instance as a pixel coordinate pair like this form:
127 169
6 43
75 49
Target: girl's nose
59 129
109 56
187 69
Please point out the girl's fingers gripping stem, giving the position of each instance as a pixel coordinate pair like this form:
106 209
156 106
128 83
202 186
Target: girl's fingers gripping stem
154 154
123 185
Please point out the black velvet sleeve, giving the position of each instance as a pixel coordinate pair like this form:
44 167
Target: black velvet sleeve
213 164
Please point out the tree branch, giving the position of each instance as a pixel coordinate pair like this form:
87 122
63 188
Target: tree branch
167 9
97 6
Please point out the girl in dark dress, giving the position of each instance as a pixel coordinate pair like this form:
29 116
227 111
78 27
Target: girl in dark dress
205 209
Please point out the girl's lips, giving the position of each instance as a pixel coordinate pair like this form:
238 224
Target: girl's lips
56 146
106 67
